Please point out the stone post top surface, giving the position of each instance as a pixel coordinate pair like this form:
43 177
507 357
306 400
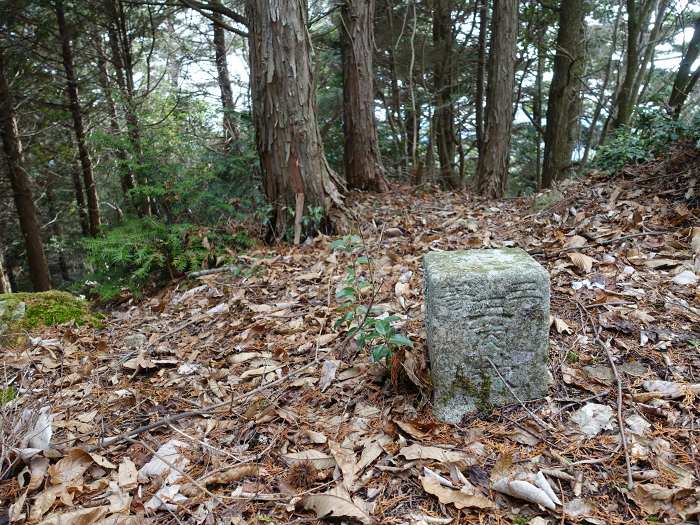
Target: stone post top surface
494 260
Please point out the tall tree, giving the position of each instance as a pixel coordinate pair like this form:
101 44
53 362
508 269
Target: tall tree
480 75
296 174
231 131
127 178
492 166
5 286
639 13
21 189
123 62
602 97
363 161
443 82
562 105
77 114
685 80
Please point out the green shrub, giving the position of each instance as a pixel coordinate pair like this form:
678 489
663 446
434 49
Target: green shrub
146 252
653 132
362 322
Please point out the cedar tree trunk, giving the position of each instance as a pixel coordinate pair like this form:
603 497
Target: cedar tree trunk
492 166
481 73
74 102
443 40
21 190
363 162
231 132
562 105
295 171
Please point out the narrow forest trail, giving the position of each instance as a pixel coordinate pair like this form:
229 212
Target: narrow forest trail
213 340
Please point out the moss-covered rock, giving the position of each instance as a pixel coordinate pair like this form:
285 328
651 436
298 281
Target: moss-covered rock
21 313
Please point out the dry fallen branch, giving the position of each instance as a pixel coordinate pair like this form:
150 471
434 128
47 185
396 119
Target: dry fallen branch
620 399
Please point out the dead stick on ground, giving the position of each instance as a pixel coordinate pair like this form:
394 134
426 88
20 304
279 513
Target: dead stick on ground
512 392
166 421
620 400
620 420
597 242
220 269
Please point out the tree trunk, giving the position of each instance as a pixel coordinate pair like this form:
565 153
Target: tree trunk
232 134
74 102
5 286
4 279
537 107
127 178
682 83
21 190
443 43
396 95
284 104
363 162
56 229
120 47
492 166
481 73
602 98
562 105
624 98
80 201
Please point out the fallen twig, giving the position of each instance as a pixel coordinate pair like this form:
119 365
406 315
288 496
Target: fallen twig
512 392
620 399
210 271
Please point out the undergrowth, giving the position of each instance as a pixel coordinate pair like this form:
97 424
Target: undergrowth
363 322
144 253
649 138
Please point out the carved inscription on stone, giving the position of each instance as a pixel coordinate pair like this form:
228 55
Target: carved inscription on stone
485 304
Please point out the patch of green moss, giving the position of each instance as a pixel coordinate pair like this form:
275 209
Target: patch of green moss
41 309
480 392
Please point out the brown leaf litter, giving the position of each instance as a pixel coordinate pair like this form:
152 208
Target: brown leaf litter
286 419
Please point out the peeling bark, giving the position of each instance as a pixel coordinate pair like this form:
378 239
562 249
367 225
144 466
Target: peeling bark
284 113
363 163
21 189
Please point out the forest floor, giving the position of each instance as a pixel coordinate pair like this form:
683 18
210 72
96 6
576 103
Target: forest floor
253 408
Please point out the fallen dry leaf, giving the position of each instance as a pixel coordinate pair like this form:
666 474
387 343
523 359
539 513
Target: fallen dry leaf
328 505
317 458
417 451
582 261
457 498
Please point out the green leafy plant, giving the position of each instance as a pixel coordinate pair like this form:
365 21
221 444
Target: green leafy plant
146 252
7 394
362 321
653 132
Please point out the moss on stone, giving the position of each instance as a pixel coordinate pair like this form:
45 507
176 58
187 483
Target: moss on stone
23 312
480 392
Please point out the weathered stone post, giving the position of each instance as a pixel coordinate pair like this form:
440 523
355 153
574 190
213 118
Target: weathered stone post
485 309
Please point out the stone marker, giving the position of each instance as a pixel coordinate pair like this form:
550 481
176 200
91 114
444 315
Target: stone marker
483 304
